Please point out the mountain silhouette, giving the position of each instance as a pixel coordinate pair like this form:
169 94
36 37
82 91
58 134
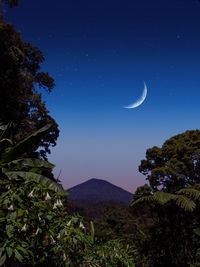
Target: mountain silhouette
97 190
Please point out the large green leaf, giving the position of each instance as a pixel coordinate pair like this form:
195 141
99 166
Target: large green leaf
36 177
2 259
18 256
23 164
25 145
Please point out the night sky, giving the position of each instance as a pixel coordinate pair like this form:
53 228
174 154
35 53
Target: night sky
100 54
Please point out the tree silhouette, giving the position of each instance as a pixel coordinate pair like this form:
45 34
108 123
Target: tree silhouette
176 164
170 201
21 81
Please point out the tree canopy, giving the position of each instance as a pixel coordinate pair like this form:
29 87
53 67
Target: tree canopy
176 164
172 202
21 81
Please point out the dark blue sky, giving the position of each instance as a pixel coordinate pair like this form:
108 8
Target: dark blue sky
100 53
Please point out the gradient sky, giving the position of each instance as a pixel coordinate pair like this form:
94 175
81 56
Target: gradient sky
100 53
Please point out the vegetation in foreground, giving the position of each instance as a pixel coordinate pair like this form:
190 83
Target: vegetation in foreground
35 228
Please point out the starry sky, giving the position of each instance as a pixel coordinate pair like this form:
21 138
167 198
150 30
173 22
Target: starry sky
100 53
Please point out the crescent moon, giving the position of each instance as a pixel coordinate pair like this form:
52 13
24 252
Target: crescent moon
140 100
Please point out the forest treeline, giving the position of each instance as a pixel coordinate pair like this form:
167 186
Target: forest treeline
38 225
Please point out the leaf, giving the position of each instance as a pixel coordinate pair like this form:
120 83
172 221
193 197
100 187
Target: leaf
190 192
6 130
185 203
49 217
37 178
20 212
197 231
23 250
18 256
4 143
26 144
2 259
9 251
1 251
21 164
9 230
92 231
2 126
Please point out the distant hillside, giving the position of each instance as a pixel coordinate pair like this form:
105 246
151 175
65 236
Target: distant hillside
96 190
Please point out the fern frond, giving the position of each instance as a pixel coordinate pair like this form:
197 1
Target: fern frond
163 197
185 203
190 192
197 186
142 200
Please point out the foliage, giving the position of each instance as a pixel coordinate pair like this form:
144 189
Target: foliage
176 164
169 205
35 228
110 254
112 220
115 221
184 198
21 81
174 216
12 155
25 219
